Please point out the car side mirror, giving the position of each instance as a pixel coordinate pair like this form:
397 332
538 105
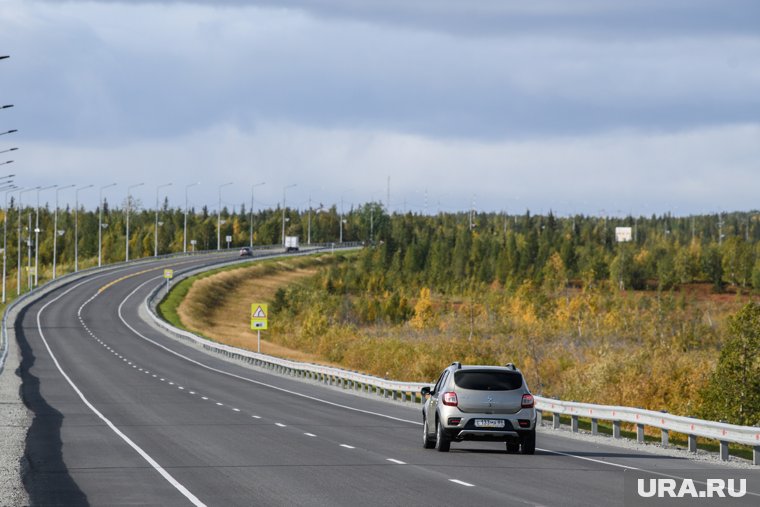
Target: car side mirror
425 391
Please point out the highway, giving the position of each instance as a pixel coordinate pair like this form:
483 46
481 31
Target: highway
124 415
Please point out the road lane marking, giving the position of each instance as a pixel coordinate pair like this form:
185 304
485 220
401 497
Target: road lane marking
240 377
398 462
347 446
236 409
280 425
166 475
462 483
256 417
310 434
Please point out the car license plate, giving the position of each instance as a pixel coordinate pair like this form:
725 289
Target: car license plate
489 423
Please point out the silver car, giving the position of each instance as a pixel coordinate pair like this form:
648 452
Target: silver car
489 403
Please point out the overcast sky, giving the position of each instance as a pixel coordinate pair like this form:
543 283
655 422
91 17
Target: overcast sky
585 106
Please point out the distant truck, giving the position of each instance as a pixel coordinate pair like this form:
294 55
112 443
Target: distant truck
291 243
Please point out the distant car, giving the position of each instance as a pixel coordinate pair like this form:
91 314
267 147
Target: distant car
246 252
490 403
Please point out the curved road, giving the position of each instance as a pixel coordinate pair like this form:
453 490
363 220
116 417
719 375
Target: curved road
125 415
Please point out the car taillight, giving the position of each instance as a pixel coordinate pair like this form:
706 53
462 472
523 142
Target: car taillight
450 399
527 401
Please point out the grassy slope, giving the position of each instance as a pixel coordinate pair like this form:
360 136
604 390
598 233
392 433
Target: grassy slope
216 304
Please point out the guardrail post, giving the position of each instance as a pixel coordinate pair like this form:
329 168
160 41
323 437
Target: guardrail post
539 418
693 443
756 455
574 423
724 450
665 437
640 433
403 396
393 395
616 429
594 426
555 420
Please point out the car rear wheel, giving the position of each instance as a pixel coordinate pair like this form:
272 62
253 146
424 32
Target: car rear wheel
427 442
513 447
528 442
442 442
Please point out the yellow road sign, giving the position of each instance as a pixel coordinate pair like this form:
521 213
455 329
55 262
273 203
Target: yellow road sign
168 273
259 314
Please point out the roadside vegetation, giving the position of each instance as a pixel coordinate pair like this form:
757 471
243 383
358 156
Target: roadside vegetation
644 323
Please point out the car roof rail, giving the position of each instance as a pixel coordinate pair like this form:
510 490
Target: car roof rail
511 366
457 364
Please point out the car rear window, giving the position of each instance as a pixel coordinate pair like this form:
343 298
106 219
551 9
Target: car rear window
485 380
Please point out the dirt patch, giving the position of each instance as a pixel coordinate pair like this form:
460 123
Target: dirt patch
219 307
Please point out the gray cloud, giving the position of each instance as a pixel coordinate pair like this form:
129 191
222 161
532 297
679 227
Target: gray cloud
587 18
203 66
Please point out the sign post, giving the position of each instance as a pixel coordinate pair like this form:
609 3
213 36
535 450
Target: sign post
168 274
259 320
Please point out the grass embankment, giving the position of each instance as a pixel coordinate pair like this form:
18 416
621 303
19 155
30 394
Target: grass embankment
217 304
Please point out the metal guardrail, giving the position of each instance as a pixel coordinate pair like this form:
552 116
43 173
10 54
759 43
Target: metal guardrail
693 428
346 379
409 392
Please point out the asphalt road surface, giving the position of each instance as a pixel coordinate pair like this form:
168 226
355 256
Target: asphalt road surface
126 416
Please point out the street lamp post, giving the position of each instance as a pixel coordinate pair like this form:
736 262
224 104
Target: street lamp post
37 234
155 239
55 228
251 210
76 227
18 268
100 222
129 205
219 217
5 235
283 210
184 235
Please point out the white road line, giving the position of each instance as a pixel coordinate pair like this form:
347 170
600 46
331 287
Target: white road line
310 434
280 425
220 404
204 398
256 417
462 483
395 461
236 409
347 446
240 377
166 475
